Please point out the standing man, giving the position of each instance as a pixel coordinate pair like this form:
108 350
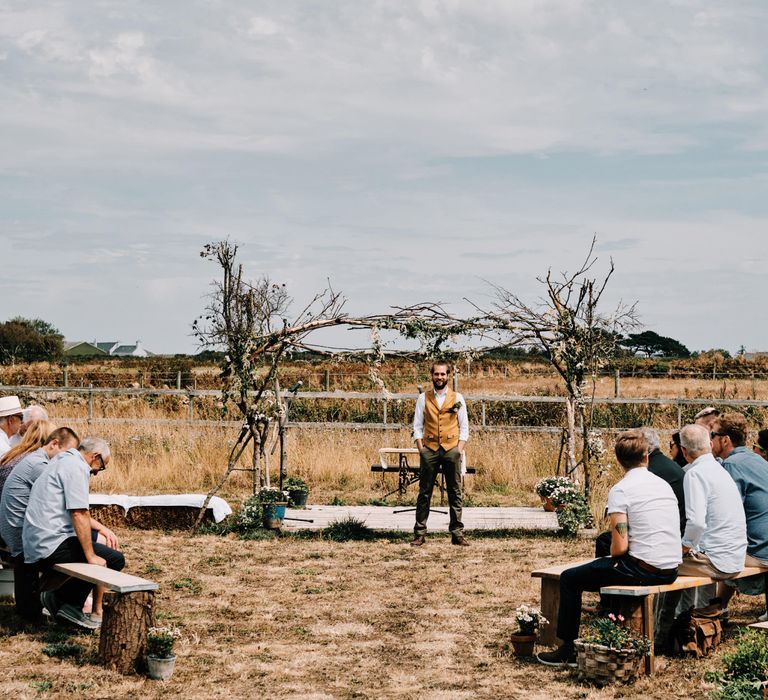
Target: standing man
11 418
440 429
58 525
13 506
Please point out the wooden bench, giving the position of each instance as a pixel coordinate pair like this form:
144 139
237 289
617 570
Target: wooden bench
408 474
637 601
128 613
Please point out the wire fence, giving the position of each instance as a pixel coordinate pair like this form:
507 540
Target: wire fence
370 410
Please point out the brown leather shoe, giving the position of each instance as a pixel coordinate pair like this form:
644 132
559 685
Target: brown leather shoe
418 540
460 540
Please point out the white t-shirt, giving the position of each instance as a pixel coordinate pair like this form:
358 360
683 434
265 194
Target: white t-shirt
652 515
5 443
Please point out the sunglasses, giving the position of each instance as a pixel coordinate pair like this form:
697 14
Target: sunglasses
712 436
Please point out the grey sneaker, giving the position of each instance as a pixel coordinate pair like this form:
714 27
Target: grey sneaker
71 613
49 602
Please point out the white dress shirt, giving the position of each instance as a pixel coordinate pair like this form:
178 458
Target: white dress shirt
716 524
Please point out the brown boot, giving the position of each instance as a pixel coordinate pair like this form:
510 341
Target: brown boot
460 540
418 540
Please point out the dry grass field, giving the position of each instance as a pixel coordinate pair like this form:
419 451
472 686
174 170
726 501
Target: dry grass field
308 618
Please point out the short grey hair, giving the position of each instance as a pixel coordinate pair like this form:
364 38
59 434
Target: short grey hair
34 412
696 441
95 444
652 438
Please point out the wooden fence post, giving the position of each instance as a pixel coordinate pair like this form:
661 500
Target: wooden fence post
178 379
90 403
617 384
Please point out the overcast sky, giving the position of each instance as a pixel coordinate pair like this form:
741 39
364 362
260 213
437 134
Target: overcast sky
407 150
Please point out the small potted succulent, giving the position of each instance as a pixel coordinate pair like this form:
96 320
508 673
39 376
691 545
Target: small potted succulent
528 619
160 656
273 502
298 491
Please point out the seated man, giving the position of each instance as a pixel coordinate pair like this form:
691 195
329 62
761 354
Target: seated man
750 473
13 506
57 527
645 542
715 538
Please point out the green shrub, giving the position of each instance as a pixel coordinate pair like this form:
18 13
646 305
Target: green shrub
750 658
348 529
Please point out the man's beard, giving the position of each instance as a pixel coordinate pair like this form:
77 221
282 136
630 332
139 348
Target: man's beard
439 383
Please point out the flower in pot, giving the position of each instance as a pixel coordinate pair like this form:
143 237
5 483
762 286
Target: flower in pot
609 651
160 657
548 485
273 502
528 619
298 491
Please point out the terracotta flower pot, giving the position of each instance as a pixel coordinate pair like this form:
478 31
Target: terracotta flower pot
546 502
523 644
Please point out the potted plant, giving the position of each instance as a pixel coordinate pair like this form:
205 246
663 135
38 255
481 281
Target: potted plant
298 491
160 657
546 487
273 502
608 651
528 619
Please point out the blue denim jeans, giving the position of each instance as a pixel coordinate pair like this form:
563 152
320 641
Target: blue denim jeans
592 576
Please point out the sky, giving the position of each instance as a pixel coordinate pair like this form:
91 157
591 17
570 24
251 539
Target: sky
405 150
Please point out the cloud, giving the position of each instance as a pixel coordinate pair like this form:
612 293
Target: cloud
406 150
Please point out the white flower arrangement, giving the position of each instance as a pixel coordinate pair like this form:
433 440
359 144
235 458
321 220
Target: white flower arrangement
529 619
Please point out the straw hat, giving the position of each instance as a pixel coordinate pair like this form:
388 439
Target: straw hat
10 406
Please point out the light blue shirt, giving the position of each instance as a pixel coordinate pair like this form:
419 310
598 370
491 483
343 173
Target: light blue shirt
13 503
750 472
715 522
61 488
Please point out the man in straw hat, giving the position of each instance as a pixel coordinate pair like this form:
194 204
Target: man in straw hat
11 418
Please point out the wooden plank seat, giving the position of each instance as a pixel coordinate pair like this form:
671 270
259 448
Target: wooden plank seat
128 613
636 601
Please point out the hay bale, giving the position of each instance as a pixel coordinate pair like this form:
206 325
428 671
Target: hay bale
165 517
111 515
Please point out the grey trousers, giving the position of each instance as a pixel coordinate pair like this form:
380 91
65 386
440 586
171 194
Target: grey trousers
431 462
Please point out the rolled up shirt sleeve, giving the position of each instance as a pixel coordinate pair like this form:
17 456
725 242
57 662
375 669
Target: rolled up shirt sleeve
418 418
695 510
463 419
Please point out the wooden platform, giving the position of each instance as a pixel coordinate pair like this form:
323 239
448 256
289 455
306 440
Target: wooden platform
384 518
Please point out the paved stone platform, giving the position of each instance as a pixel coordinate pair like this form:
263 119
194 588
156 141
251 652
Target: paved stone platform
386 518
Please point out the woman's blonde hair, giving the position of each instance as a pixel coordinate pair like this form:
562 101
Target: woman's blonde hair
34 438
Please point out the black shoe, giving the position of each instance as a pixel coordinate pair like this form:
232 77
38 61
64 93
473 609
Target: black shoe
418 540
564 656
460 540
50 602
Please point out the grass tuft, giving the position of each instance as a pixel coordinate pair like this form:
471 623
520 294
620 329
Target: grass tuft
349 529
